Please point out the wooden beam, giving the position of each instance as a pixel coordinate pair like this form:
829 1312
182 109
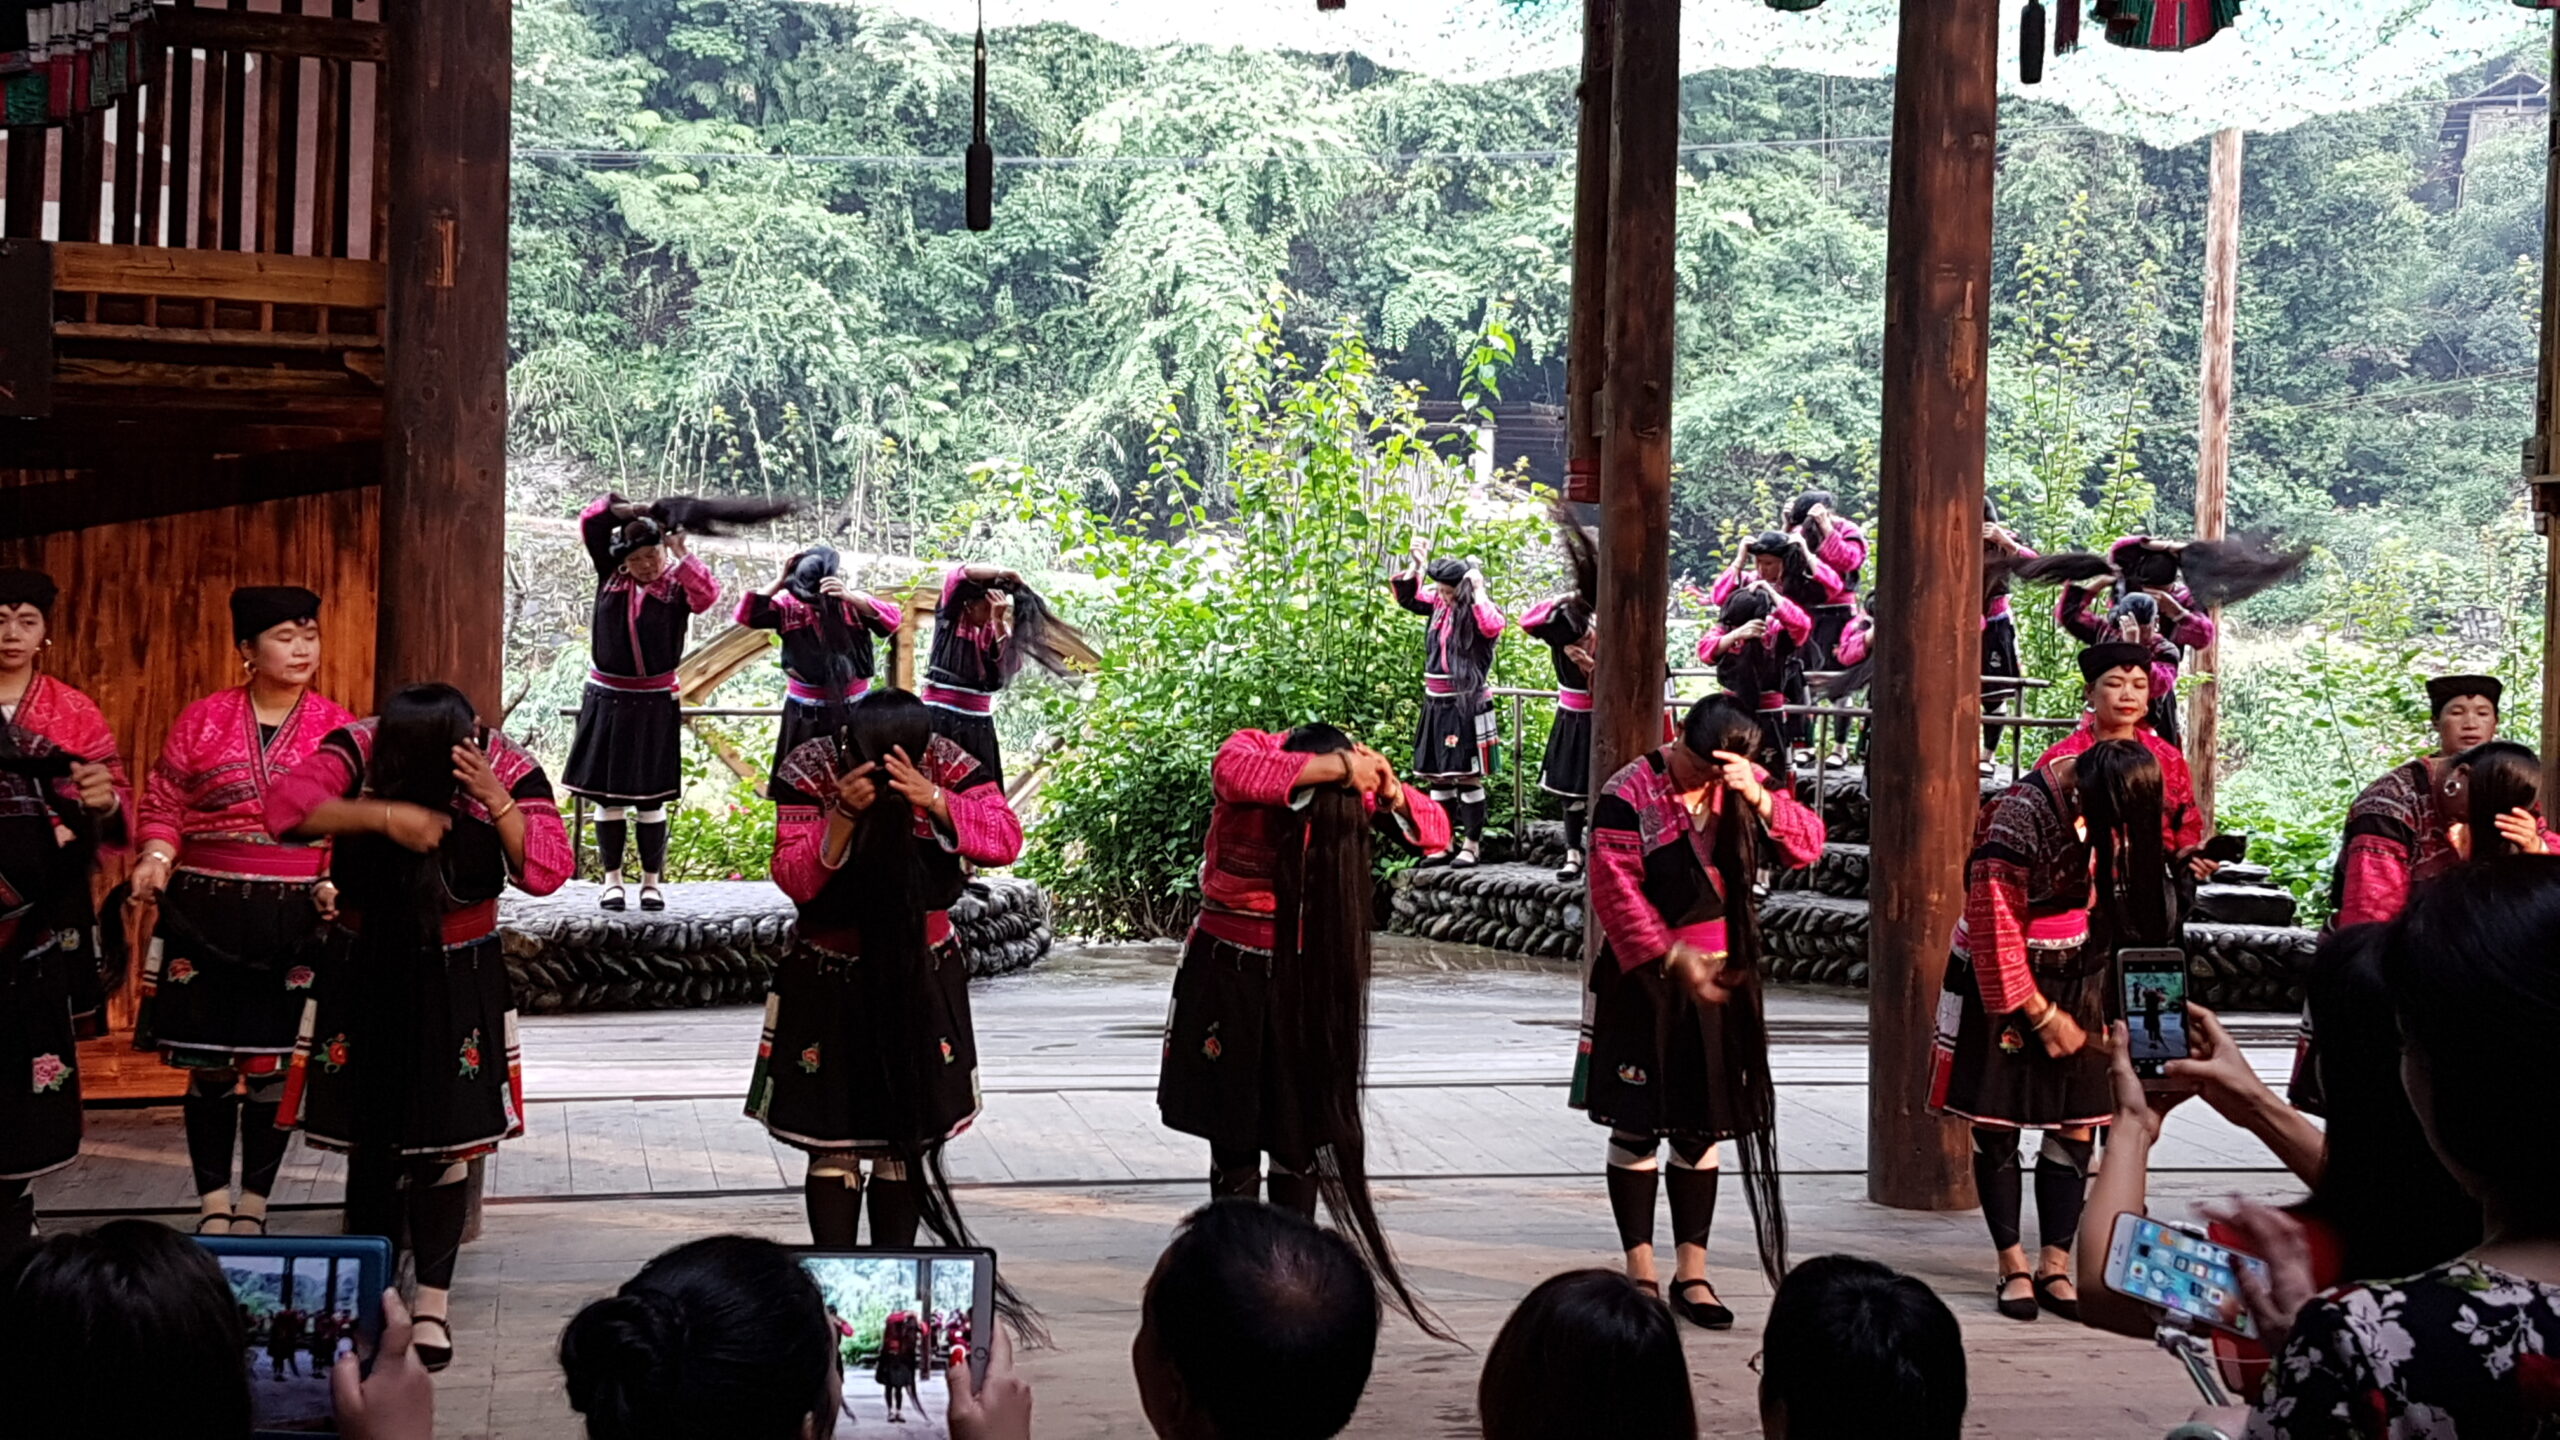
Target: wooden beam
265 33
1927 691
444 476
189 335
2213 440
246 279
235 383
1635 443
134 490
2545 445
1587 334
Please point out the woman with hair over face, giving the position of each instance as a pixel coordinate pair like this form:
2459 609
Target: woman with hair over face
1589 1355
868 1052
829 630
2068 867
1266 1039
726 1336
1674 1046
236 950
407 1060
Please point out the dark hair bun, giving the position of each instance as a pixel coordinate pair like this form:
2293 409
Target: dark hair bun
619 1355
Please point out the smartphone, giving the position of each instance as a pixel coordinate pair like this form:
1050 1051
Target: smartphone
304 1300
2181 1273
910 1324
2151 986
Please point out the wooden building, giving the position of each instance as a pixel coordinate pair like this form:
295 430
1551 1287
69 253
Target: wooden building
252 331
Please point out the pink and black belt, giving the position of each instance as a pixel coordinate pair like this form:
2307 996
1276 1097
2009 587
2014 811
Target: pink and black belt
2062 930
967 702
226 857
1443 687
634 684
1772 700
1568 698
808 694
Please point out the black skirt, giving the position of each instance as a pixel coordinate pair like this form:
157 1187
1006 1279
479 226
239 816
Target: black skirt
894 1372
40 1109
975 734
626 751
1222 1069
1994 1071
456 1048
1829 623
234 963
822 1081
801 723
1659 1063
1455 739
1566 770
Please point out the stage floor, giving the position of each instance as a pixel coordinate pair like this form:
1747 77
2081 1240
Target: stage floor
636 1140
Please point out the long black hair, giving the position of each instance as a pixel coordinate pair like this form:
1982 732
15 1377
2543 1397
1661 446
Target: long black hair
2392 1204
2120 790
1040 636
1581 554
1617 1342
1322 891
1796 566
1749 601
2498 776
2225 572
721 1336
399 892
1721 722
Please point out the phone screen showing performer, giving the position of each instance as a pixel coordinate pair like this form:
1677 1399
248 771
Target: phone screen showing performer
910 1325
2153 984
2181 1273
304 1301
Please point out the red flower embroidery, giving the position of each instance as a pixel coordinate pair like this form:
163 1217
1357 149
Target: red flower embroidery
2011 1042
946 1052
298 978
471 1056
50 1074
1213 1047
809 1059
334 1055
181 970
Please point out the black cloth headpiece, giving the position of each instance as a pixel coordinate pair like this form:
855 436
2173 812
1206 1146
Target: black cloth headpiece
1771 542
256 609
2445 689
28 587
2097 660
816 564
1447 572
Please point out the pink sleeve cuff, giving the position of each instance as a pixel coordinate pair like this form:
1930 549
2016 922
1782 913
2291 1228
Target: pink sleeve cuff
1796 830
951 579
2195 632
799 833
597 506
1489 621
1635 932
1725 585
1792 619
313 783
701 587
1538 614
1425 823
886 616
985 827
548 860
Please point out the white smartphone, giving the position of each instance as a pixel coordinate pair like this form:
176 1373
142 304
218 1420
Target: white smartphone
2182 1273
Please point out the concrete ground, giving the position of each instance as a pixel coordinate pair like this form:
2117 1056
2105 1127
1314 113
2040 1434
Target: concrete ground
1490 1186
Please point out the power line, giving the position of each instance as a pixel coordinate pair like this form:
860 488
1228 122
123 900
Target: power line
2381 397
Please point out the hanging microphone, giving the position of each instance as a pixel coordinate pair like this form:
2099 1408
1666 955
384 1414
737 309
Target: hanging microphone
2031 43
982 156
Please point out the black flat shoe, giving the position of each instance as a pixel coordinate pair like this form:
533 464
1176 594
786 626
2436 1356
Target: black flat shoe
2066 1306
1569 873
612 899
434 1357
650 899
1463 860
2021 1308
1707 1314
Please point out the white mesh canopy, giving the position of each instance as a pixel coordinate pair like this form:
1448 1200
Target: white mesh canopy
2284 62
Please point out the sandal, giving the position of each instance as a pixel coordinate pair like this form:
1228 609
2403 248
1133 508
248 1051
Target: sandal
1570 871
1464 860
434 1357
2066 1306
205 1221
258 1220
2021 1308
612 897
1707 1314
650 899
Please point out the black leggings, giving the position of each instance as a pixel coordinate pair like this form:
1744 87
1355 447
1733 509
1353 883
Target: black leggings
422 1202
2062 1183
1237 1175
215 1110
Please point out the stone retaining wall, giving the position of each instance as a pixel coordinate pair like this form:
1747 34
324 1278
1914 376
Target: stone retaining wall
715 944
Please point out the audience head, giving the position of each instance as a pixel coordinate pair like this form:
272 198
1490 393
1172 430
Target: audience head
2473 967
128 1329
1316 738
720 1337
1855 1350
1257 1325
1629 1379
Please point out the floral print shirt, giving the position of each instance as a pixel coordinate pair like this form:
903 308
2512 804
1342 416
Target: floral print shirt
2462 1350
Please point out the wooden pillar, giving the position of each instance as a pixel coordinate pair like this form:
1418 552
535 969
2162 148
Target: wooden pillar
444 498
1927 690
2213 440
2541 450
1586 346
1635 444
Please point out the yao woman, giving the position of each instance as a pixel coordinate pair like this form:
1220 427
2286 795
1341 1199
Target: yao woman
988 622
828 630
1454 750
1674 1044
406 1061
237 948
1565 626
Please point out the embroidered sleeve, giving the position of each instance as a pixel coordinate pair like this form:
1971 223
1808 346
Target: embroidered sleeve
1726 584
549 860
799 836
2375 879
1424 824
1634 929
595 529
1710 643
1790 620
1535 620
758 611
1408 593
2323 1384
2183 820
701 587
2073 611
1489 619
1997 879
164 798
1252 769
1854 644
2195 630
327 774
1843 548
885 617
83 731
984 829
1794 827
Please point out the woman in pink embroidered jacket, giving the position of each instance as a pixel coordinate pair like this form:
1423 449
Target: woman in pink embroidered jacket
1754 646
237 947
1674 1046
1453 751
407 1059
2068 866
868 1052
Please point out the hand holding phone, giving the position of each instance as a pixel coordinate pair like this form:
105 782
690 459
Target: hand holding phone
2183 1274
915 1330
310 1306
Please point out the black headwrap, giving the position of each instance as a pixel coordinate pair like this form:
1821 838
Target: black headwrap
637 533
2445 689
1447 572
1770 542
1802 505
2097 660
815 565
256 609
27 587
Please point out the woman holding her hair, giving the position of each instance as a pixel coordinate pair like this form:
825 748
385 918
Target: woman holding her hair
1754 648
988 622
828 630
407 1059
1453 751
2068 867
236 949
1674 1046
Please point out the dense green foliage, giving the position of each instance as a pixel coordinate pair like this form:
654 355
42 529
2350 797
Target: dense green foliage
694 310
